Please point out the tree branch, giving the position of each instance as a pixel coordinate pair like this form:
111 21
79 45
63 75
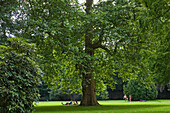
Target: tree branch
107 50
88 5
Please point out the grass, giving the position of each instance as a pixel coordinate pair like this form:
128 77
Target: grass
109 106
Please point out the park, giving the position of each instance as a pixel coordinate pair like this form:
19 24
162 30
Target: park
84 56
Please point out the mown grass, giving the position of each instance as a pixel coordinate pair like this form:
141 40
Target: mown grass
109 106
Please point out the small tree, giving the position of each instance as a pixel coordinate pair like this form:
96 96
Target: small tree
19 76
139 89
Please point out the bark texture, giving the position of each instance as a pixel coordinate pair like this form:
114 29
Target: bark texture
88 82
89 92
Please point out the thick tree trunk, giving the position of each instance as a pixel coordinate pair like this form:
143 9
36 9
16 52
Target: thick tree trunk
88 82
89 91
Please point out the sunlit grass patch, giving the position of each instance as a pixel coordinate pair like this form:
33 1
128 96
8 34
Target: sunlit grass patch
110 106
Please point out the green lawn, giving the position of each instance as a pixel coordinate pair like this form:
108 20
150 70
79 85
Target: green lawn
109 106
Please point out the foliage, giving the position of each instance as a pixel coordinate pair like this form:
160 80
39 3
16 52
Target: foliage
43 91
11 19
58 93
19 76
140 89
103 94
155 25
60 40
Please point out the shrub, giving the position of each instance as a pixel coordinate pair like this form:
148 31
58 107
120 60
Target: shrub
139 90
19 76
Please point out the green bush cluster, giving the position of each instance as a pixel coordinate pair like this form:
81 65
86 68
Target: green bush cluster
140 90
19 76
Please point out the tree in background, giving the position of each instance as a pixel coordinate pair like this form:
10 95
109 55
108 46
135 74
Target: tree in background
63 93
140 89
19 76
155 25
43 91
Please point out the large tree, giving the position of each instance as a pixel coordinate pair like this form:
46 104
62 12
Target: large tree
83 48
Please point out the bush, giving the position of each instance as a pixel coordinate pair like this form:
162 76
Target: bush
138 90
19 77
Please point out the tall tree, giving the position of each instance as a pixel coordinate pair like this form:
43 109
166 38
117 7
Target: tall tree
88 81
78 43
84 48
115 36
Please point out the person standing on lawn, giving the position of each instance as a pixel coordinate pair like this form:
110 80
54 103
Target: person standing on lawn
125 97
130 98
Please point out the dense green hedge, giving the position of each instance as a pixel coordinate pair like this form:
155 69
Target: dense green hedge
19 76
139 90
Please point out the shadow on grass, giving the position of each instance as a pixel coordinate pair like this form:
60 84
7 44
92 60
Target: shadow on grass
103 108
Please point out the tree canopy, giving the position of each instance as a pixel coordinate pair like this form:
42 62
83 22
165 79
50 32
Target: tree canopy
157 28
